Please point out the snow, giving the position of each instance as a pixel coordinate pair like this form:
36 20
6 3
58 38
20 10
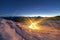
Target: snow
10 30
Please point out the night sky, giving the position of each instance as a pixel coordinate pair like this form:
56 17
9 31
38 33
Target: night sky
29 7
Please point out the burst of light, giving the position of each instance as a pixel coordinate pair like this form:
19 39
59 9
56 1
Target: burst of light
33 26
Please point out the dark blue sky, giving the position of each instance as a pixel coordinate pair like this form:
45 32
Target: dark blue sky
29 7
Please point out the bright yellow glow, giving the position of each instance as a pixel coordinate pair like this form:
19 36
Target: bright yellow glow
33 26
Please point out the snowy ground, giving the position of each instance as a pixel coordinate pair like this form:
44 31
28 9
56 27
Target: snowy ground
9 30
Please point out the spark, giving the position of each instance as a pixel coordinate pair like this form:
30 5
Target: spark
33 25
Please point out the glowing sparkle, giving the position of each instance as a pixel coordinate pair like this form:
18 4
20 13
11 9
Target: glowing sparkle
33 26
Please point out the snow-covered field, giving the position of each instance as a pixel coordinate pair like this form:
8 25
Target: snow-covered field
9 30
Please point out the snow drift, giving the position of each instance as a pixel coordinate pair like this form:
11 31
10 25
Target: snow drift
10 30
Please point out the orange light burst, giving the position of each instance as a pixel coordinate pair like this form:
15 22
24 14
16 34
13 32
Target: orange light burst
33 25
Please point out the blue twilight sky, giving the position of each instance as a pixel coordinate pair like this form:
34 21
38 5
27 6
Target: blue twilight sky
29 7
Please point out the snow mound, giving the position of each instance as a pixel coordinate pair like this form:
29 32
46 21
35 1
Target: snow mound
10 30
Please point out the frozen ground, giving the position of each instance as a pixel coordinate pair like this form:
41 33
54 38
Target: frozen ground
10 30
